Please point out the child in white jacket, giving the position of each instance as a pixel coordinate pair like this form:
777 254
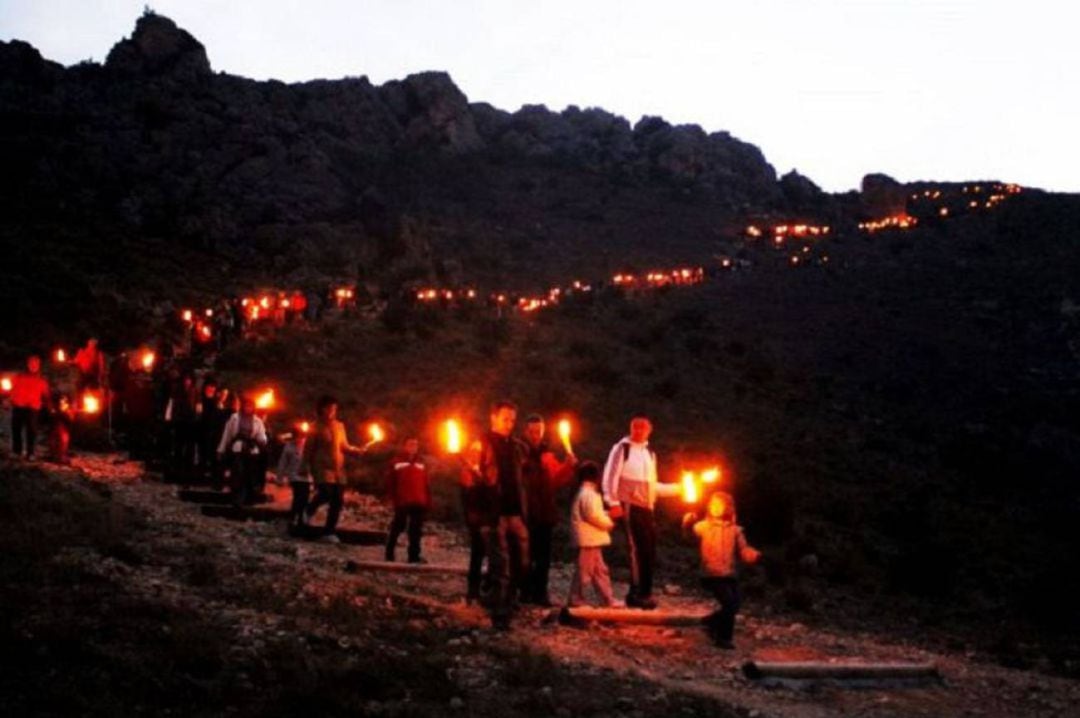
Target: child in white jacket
590 529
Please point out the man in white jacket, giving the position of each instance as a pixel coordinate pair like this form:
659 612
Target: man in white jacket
631 488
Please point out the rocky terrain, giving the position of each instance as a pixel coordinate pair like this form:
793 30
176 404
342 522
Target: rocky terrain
127 600
899 423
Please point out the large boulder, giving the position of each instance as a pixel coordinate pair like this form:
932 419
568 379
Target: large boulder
159 47
882 196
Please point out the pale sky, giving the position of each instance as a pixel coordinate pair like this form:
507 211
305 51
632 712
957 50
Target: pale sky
918 89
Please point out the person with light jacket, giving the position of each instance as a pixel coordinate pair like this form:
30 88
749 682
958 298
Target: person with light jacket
631 488
324 457
590 531
243 440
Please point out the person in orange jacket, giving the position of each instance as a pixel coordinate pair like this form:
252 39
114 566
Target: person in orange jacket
29 395
408 487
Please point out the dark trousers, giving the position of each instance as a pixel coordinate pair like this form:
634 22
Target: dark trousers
301 493
334 496
184 440
641 535
540 560
244 477
23 420
721 623
476 562
413 516
507 544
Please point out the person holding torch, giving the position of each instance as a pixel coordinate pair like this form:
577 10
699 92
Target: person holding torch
631 488
324 458
543 475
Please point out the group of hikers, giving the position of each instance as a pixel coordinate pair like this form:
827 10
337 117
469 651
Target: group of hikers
509 484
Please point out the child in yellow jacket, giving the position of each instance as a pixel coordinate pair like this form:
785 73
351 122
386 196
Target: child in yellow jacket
722 545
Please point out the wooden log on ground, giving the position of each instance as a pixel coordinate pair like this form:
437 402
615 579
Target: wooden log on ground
245 513
216 498
634 616
404 567
848 671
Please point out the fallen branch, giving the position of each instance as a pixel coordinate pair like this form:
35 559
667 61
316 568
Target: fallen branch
820 670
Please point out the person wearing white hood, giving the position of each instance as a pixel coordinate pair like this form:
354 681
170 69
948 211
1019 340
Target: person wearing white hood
631 488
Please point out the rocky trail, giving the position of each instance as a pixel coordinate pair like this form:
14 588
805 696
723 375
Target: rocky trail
271 599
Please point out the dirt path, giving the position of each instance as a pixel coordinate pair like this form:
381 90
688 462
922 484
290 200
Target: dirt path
664 665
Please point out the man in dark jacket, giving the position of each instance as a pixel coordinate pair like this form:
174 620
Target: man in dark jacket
409 490
543 475
500 467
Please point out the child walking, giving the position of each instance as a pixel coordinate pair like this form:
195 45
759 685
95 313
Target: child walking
722 544
590 529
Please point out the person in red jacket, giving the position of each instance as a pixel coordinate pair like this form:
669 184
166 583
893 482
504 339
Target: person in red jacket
29 395
409 490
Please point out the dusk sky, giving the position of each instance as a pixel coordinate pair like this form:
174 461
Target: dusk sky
945 90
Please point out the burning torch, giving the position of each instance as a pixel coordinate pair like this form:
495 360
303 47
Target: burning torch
376 434
454 437
564 435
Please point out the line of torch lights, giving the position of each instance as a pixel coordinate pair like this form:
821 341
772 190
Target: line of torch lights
453 435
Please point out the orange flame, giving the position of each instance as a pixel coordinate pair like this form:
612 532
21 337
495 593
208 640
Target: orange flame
711 475
454 438
5 384
265 400
91 404
304 427
689 487
376 433
147 360
60 356
564 434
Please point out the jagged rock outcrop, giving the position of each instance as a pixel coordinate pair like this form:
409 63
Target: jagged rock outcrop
882 196
158 47
432 111
156 143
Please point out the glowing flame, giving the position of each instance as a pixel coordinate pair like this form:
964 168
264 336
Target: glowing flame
304 427
689 487
376 433
453 437
91 404
564 429
147 360
187 315
5 384
265 400
60 356
711 476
